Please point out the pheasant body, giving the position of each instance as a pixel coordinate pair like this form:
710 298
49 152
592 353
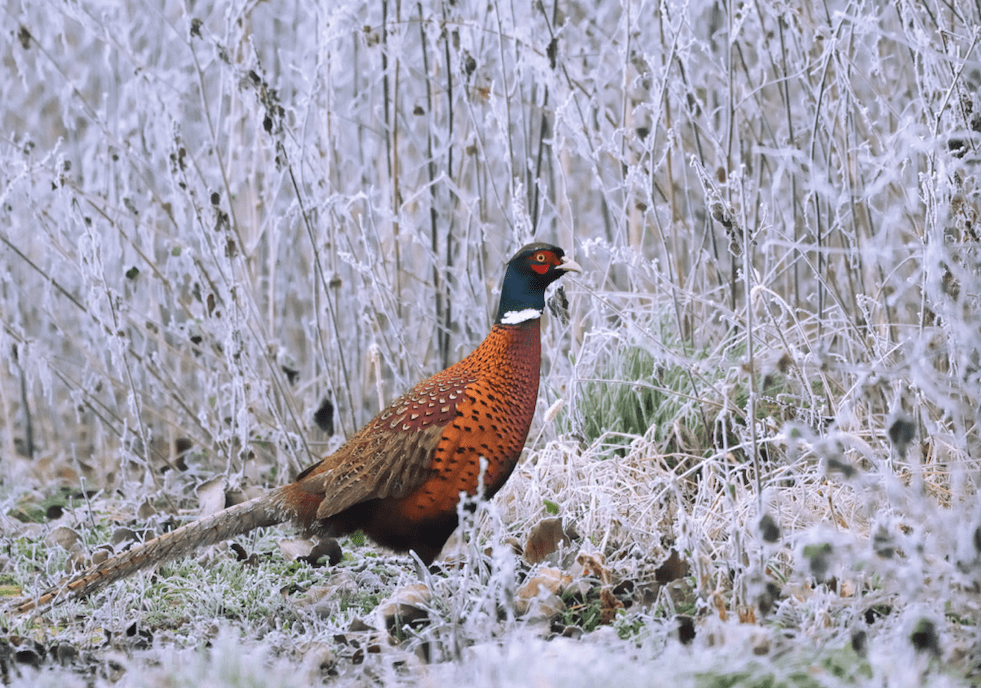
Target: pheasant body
399 479
479 408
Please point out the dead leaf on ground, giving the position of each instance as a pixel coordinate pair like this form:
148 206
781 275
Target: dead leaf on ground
594 565
609 606
64 537
541 592
295 549
211 496
673 568
406 607
544 539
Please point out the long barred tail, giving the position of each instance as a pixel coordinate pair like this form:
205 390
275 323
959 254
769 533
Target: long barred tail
242 518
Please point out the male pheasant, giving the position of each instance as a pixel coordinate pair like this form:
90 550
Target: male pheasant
400 477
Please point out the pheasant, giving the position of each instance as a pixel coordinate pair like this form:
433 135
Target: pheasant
399 479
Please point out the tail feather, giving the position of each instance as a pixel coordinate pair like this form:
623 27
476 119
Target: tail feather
239 519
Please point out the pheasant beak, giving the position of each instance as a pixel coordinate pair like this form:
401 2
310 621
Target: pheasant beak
569 265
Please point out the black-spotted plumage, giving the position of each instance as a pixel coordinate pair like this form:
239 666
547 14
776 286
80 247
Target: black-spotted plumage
400 477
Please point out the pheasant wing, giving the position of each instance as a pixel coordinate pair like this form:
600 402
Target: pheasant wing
392 455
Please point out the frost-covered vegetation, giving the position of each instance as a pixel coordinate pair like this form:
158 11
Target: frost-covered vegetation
230 231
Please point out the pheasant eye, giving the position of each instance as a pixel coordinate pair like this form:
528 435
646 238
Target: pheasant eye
540 257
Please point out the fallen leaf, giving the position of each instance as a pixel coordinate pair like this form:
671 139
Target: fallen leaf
544 539
211 496
295 549
405 607
540 592
64 537
673 568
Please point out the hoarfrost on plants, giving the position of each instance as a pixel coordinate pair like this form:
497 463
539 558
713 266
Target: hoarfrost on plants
218 222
